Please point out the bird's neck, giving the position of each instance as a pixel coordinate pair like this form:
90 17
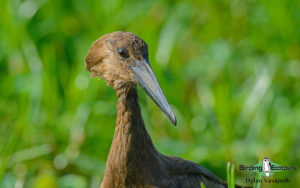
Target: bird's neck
132 150
130 128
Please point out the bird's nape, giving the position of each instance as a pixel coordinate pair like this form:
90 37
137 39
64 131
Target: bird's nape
146 79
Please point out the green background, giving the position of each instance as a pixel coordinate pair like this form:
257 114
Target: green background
229 69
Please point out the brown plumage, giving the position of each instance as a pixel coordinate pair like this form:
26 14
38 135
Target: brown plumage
121 59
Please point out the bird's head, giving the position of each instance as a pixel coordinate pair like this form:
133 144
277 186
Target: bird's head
122 57
266 159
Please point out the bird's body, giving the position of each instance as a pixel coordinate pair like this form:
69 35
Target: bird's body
121 58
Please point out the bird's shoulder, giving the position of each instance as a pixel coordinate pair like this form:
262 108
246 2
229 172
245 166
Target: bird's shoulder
178 166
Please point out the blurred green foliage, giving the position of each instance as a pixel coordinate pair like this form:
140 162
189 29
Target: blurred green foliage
230 70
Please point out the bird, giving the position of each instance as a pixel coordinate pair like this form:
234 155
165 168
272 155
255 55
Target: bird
267 166
121 59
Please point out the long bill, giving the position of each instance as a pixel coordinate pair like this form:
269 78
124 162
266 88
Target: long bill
145 77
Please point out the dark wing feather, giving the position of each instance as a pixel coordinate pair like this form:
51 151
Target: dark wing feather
178 166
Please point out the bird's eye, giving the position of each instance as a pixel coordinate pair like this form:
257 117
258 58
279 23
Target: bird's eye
123 52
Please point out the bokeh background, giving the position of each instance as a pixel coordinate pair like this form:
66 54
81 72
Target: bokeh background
229 69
